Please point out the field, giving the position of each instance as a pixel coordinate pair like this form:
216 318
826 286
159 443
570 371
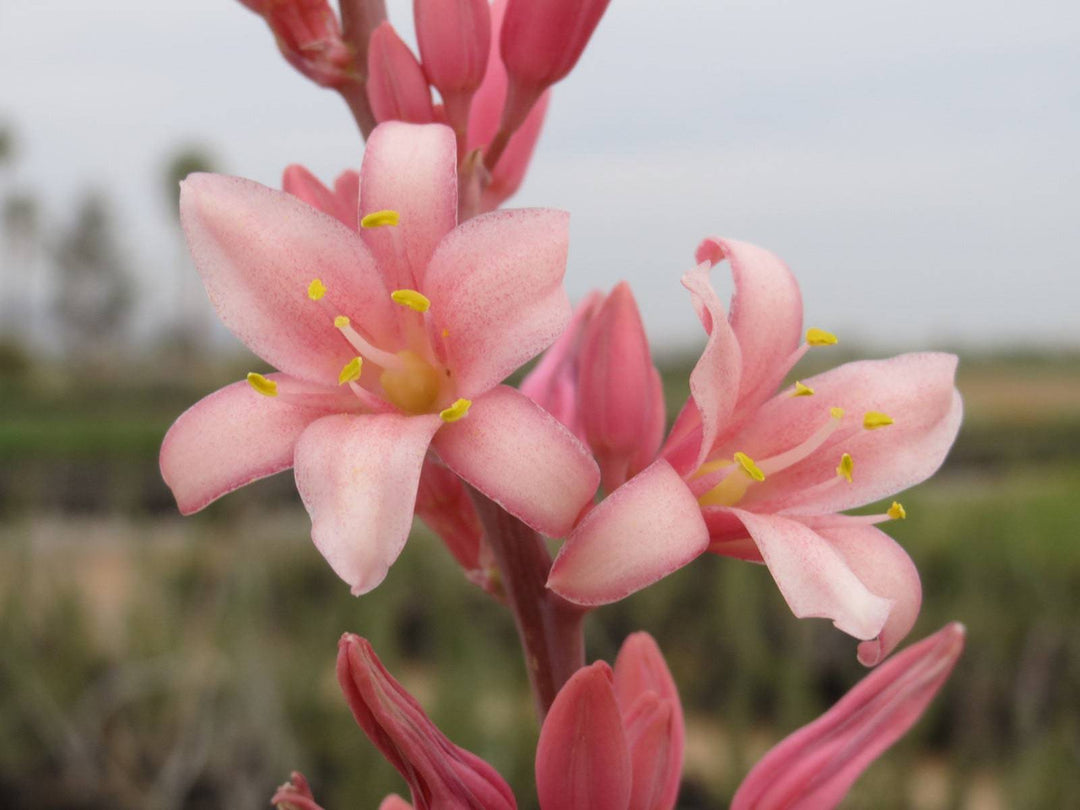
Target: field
153 661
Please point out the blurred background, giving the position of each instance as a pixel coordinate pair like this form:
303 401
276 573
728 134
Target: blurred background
915 164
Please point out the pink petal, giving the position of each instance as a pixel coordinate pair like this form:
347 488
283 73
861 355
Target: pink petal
582 760
916 390
814 768
647 528
394 802
357 476
814 578
886 569
443 503
640 669
714 382
522 458
766 314
295 795
340 203
230 438
410 169
648 727
496 288
257 251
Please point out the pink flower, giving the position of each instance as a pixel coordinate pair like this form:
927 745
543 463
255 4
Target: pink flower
613 739
814 768
767 473
388 340
439 773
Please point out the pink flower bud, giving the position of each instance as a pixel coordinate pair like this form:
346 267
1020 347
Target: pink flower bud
541 41
342 202
620 397
454 38
309 37
444 505
295 795
439 773
817 765
394 802
396 87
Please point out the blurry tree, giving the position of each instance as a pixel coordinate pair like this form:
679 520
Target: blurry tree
191 320
95 292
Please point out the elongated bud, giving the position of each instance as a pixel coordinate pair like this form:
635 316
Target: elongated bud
540 42
508 171
396 87
444 505
439 773
359 19
653 719
582 758
309 37
620 397
553 384
817 765
454 37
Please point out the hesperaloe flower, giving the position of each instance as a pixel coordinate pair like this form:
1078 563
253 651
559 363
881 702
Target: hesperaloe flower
759 475
388 339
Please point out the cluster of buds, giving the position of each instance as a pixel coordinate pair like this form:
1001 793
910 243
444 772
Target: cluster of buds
491 66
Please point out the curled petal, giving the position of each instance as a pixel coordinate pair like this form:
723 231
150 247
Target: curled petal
714 382
647 528
916 390
439 773
410 169
498 282
582 758
231 438
520 457
258 250
357 476
295 795
815 767
766 314
815 578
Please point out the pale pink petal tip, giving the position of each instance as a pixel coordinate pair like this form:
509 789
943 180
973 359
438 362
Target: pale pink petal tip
647 528
817 765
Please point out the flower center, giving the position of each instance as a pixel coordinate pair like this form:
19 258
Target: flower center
413 386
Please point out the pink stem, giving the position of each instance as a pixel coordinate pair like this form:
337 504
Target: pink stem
550 628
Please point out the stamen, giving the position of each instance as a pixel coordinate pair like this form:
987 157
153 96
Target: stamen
377 219
836 413
819 337
412 299
846 468
782 461
456 411
802 390
350 372
749 467
316 289
375 355
262 385
873 420
896 511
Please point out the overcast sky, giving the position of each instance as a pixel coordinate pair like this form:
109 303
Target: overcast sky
914 162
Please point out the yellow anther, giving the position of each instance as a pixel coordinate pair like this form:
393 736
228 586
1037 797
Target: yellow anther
456 411
872 420
446 333
376 219
316 289
819 337
749 467
846 468
263 385
341 321
802 390
836 413
896 511
411 299
350 372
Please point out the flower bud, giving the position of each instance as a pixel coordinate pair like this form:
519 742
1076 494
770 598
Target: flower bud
454 37
396 87
309 37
